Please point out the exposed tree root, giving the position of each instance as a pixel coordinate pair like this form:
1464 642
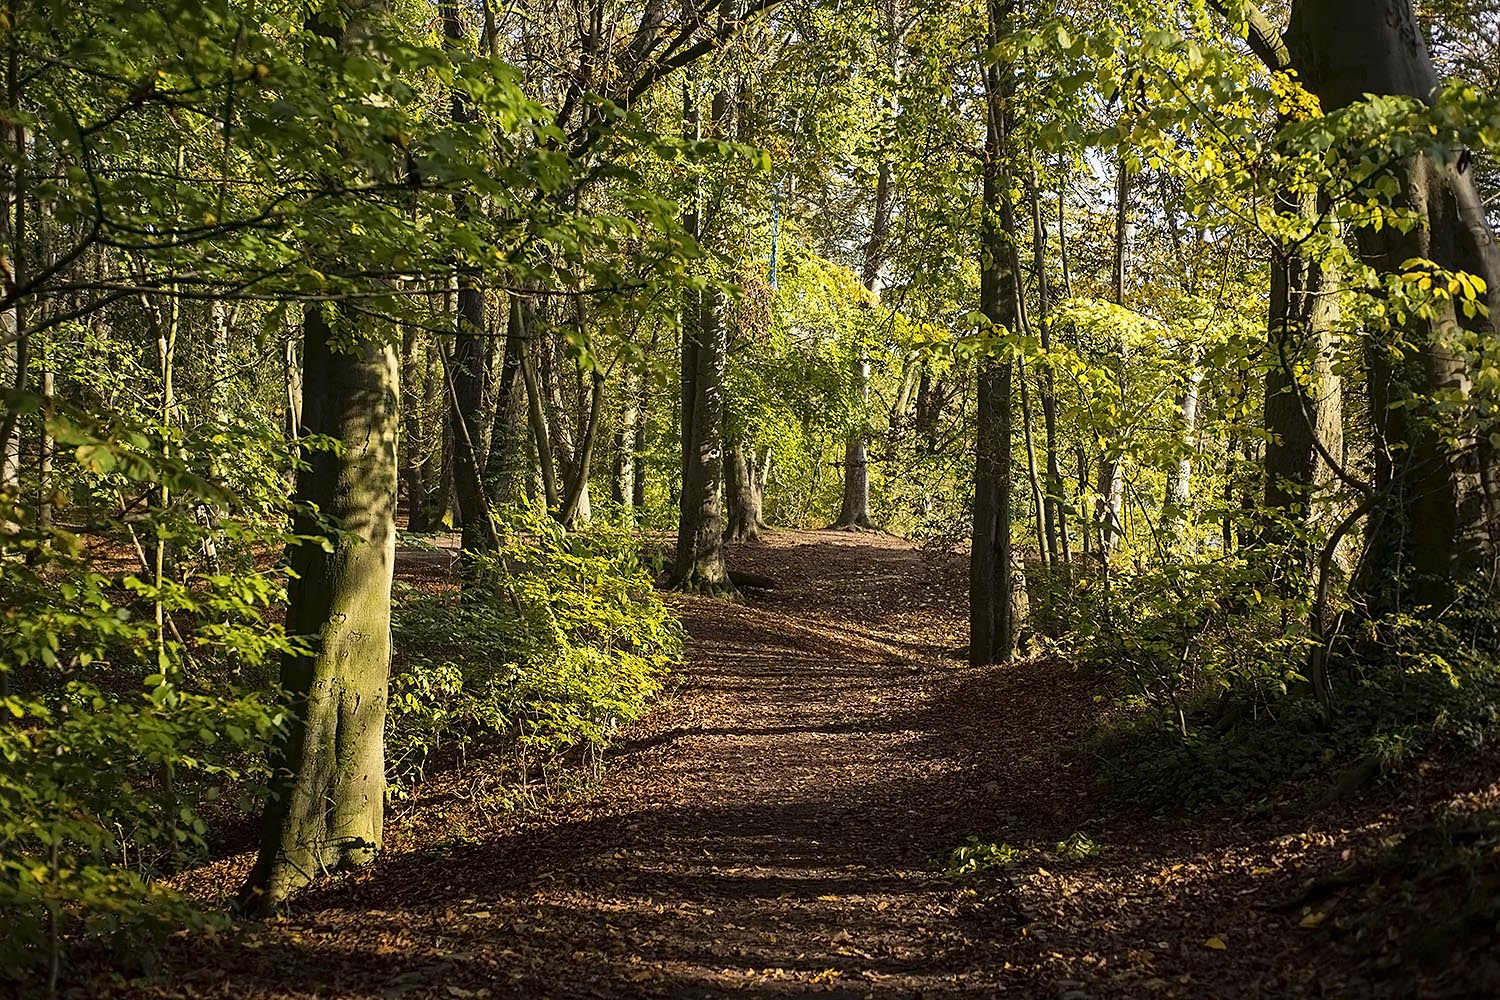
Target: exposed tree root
745 578
862 525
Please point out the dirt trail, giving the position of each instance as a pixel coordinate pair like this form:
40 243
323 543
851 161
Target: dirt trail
780 826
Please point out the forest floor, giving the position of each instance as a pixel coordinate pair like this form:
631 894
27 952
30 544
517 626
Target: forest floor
782 824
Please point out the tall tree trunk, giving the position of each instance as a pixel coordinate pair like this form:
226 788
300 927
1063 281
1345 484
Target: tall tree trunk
638 477
993 626
638 458
1303 406
699 563
14 332
1111 504
46 488
417 450
573 506
760 477
466 370
505 468
1180 474
536 416
327 792
565 450
1033 477
1056 526
854 510
700 535
326 797
1439 528
622 482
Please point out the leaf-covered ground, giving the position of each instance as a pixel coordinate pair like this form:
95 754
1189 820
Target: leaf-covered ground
783 825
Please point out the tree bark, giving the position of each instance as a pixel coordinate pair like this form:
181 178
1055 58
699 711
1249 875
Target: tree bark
1033 477
536 416
466 370
1056 525
742 495
993 625
416 450
505 468
622 482
572 506
1440 526
699 563
854 510
14 331
1180 475
1304 393
327 792
1111 502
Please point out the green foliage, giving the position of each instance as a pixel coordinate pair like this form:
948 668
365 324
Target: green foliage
131 699
556 639
978 856
1078 846
1228 714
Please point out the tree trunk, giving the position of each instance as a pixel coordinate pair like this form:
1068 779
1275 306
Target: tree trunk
742 495
466 370
1033 477
993 625
638 447
760 476
573 506
16 357
854 510
1111 504
1056 525
505 468
622 482
699 563
638 458
1180 475
565 450
1438 529
417 451
1303 406
327 791
536 415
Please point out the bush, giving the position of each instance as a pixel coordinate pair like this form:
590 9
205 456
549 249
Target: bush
1214 705
129 697
556 639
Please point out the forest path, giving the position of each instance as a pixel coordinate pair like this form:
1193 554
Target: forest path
778 827
781 826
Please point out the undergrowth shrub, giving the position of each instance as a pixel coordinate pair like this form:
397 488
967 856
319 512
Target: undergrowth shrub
1214 703
556 639
134 693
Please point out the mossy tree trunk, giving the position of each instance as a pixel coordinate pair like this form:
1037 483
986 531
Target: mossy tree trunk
993 624
327 792
699 563
325 802
1439 528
